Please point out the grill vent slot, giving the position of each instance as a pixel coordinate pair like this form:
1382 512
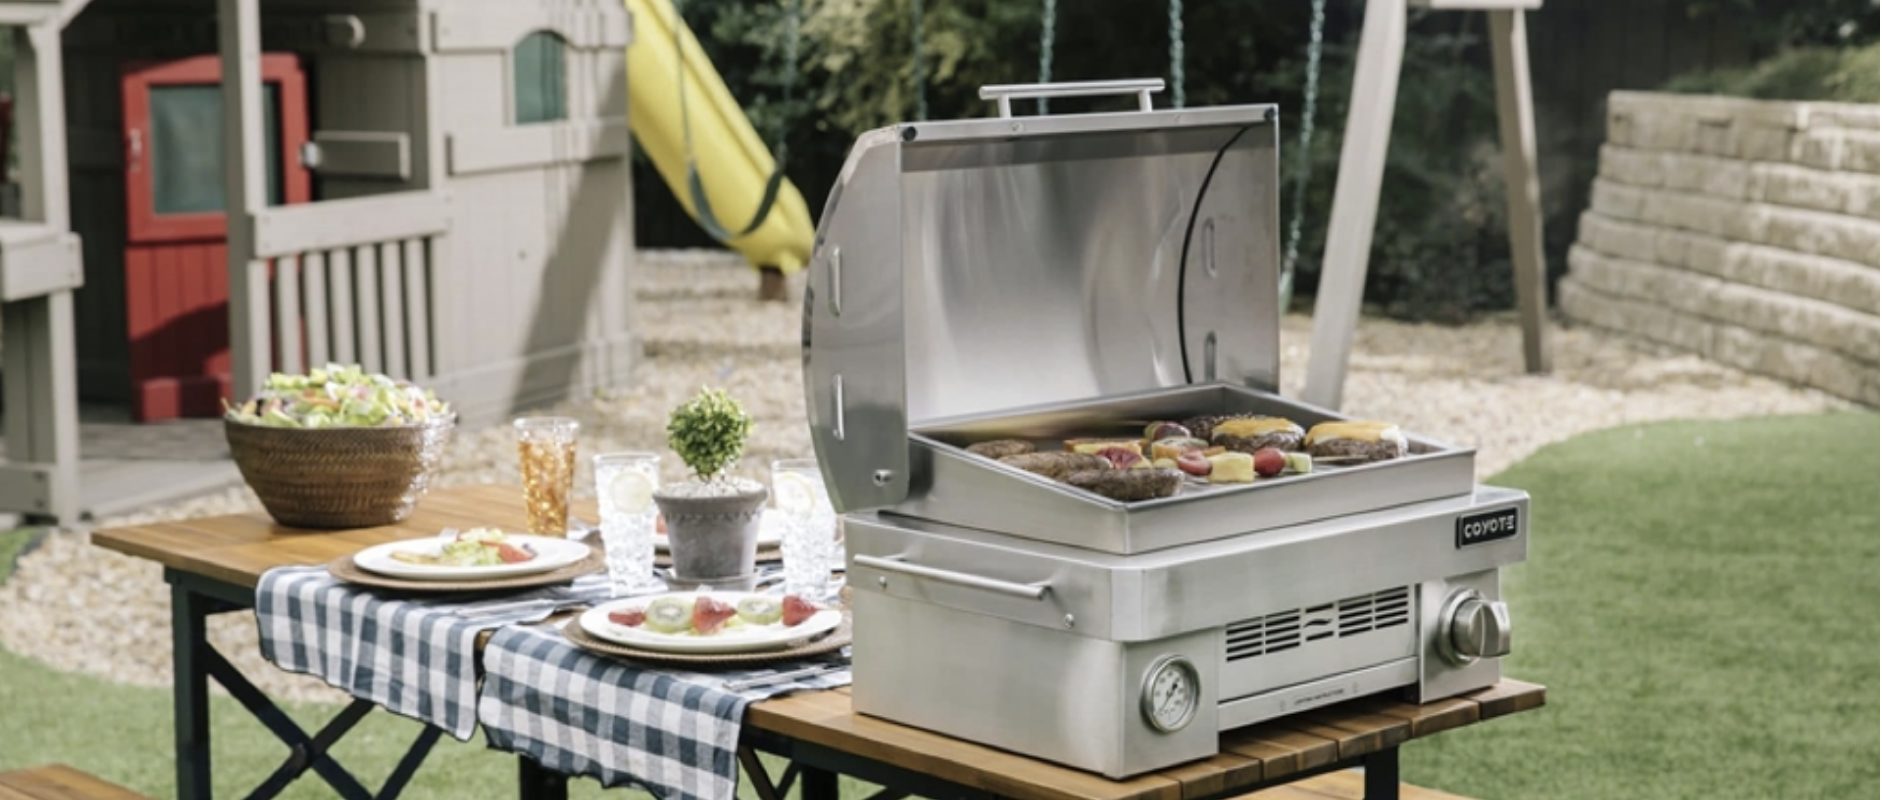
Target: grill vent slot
1286 630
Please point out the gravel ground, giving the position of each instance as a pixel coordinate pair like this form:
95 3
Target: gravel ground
1459 385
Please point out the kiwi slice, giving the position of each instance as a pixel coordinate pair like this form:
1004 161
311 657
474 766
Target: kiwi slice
669 615
760 610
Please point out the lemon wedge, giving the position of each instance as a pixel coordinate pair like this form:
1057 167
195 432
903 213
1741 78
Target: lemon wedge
631 492
794 492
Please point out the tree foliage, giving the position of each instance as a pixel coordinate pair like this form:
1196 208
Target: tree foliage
1440 250
1779 24
1841 75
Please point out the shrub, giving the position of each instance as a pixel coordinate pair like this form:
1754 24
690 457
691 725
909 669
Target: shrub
1844 75
708 432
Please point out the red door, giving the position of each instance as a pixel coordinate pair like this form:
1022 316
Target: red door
176 286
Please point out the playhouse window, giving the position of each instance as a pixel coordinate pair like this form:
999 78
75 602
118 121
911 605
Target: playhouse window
541 90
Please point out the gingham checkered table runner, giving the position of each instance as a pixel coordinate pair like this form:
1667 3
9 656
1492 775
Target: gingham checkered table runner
413 654
672 732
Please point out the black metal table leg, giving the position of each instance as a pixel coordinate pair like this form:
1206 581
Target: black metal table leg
819 784
193 598
535 783
1382 774
189 631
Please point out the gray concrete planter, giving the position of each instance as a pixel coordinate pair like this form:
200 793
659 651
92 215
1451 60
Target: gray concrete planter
712 532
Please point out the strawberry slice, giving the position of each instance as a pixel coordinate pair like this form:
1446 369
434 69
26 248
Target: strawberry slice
1121 457
797 609
710 613
511 554
631 617
1194 463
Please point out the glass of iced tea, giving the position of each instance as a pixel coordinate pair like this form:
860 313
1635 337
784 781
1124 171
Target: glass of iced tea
545 451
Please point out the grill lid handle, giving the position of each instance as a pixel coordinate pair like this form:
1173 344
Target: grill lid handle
1030 591
1005 94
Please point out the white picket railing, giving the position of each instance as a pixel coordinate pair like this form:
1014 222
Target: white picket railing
350 281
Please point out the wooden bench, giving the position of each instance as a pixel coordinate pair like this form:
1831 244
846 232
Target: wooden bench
1345 784
60 782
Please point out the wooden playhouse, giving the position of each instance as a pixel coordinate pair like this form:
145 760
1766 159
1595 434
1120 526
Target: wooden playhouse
437 189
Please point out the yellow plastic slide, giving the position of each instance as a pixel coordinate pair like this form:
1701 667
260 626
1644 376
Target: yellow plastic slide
733 163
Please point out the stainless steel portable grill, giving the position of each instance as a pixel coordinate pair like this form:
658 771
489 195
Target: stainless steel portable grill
1055 277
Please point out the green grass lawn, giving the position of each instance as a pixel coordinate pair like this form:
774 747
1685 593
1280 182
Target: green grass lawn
1700 599
123 733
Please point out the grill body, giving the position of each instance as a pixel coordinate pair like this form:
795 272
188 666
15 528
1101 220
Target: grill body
1276 623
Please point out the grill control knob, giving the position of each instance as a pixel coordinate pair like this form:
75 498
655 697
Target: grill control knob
1480 628
1474 627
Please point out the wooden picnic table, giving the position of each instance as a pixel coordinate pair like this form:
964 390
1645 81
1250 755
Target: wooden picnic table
214 564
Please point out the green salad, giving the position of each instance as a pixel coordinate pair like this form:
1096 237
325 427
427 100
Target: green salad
339 396
477 547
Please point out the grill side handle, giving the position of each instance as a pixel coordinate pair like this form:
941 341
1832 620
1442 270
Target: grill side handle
899 564
1005 94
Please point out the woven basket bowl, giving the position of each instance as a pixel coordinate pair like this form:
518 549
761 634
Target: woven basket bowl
332 478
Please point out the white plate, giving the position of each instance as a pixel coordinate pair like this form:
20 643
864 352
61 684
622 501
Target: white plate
770 532
551 553
733 638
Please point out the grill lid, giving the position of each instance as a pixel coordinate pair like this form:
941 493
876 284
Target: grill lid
978 265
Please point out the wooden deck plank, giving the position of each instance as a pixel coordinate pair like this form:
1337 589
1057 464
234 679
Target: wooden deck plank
1426 719
60 782
1509 696
1283 750
1275 759
828 719
1360 732
1215 774
1287 791
1344 784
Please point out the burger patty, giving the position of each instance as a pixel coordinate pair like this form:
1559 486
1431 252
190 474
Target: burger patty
1128 485
1056 465
1001 448
1279 440
1381 450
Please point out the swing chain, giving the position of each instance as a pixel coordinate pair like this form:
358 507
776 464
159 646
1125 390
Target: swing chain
679 49
1176 52
696 185
795 12
921 69
1048 22
1301 155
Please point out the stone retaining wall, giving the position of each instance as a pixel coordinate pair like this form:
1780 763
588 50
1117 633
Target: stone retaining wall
1745 231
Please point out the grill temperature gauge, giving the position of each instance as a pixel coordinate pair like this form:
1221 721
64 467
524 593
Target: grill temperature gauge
1170 693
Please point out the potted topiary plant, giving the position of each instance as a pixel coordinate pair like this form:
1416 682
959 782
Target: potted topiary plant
713 520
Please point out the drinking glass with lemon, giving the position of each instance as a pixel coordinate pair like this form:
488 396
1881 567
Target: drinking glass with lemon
624 486
809 526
